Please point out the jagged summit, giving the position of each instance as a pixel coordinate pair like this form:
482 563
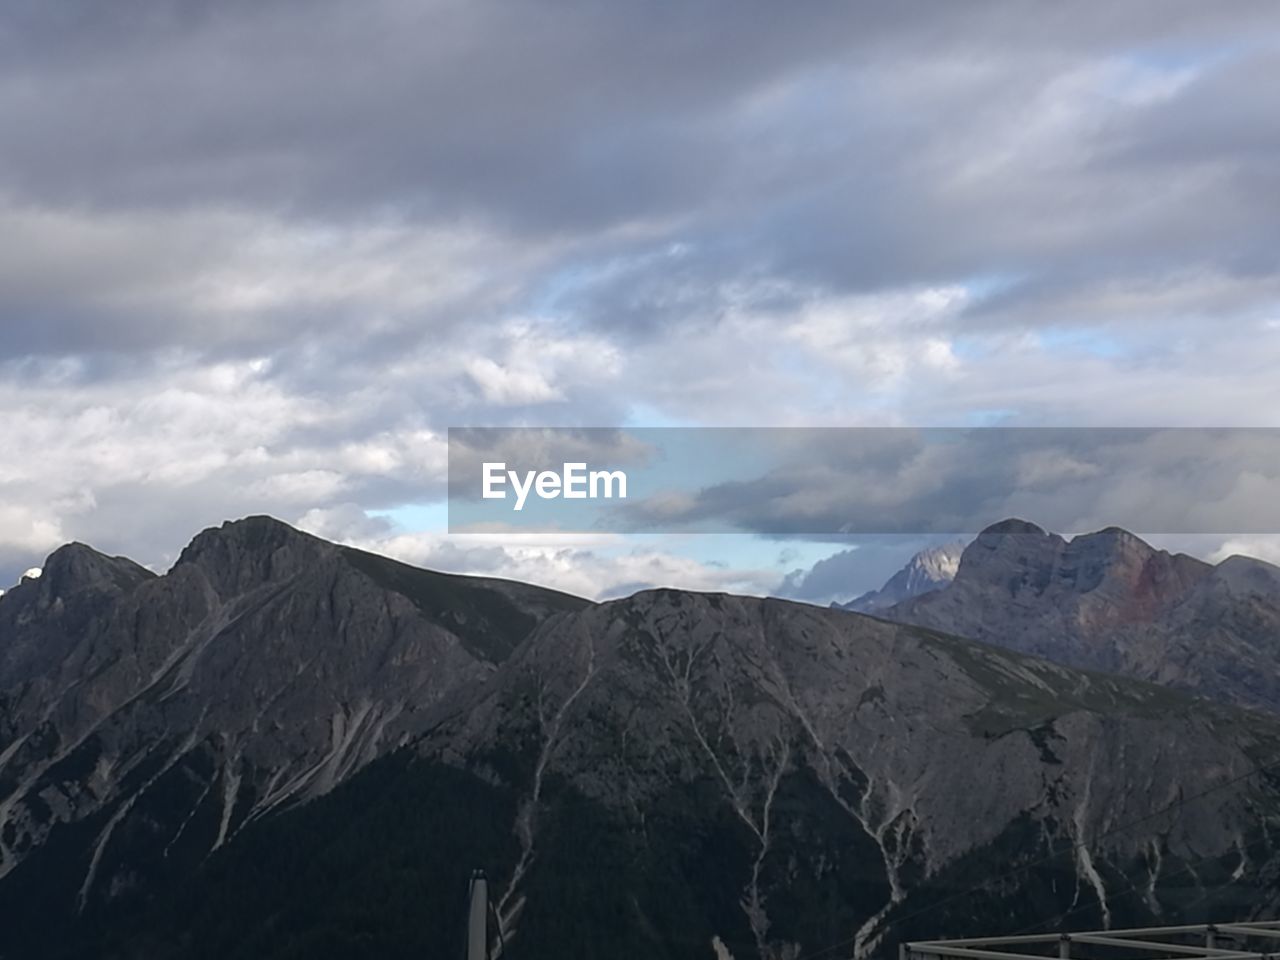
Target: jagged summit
256 533
77 565
1020 557
930 569
254 550
1249 574
1108 600
1024 558
44 618
1014 526
1248 580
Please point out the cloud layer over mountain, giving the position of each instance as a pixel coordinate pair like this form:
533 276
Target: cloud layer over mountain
256 257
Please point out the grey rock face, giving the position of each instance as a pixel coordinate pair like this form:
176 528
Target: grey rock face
803 775
264 668
803 725
1109 601
40 618
928 570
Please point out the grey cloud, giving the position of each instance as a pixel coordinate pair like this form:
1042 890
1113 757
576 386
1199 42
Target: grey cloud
823 153
939 482
421 215
556 114
522 111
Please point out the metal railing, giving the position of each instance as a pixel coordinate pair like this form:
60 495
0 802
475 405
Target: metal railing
1202 941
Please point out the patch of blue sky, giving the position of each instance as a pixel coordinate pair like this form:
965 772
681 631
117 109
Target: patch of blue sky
550 293
416 517
1084 340
1189 57
646 415
799 110
556 291
968 346
990 417
991 284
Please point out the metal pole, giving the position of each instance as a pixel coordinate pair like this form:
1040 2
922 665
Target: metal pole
1064 947
477 919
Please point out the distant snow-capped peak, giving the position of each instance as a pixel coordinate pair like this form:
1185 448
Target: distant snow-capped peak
929 570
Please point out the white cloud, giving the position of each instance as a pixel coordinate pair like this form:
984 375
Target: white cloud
277 292
25 528
1263 547
595 566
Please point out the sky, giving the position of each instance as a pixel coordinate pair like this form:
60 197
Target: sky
257 257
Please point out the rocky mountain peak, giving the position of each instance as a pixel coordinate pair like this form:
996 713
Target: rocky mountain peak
77 566
44 617
1124 576
1248 575
1012 553
938 563
1110 601
1011 526
929 570
1113 547
75 577
242 554
1139 580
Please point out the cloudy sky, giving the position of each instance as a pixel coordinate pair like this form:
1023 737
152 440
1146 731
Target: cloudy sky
257 256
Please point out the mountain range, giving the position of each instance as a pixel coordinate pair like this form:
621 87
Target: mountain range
283 747
1110 601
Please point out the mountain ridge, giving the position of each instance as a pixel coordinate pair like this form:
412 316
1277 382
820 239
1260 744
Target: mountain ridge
1110 601
668 729
753 777
265 666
